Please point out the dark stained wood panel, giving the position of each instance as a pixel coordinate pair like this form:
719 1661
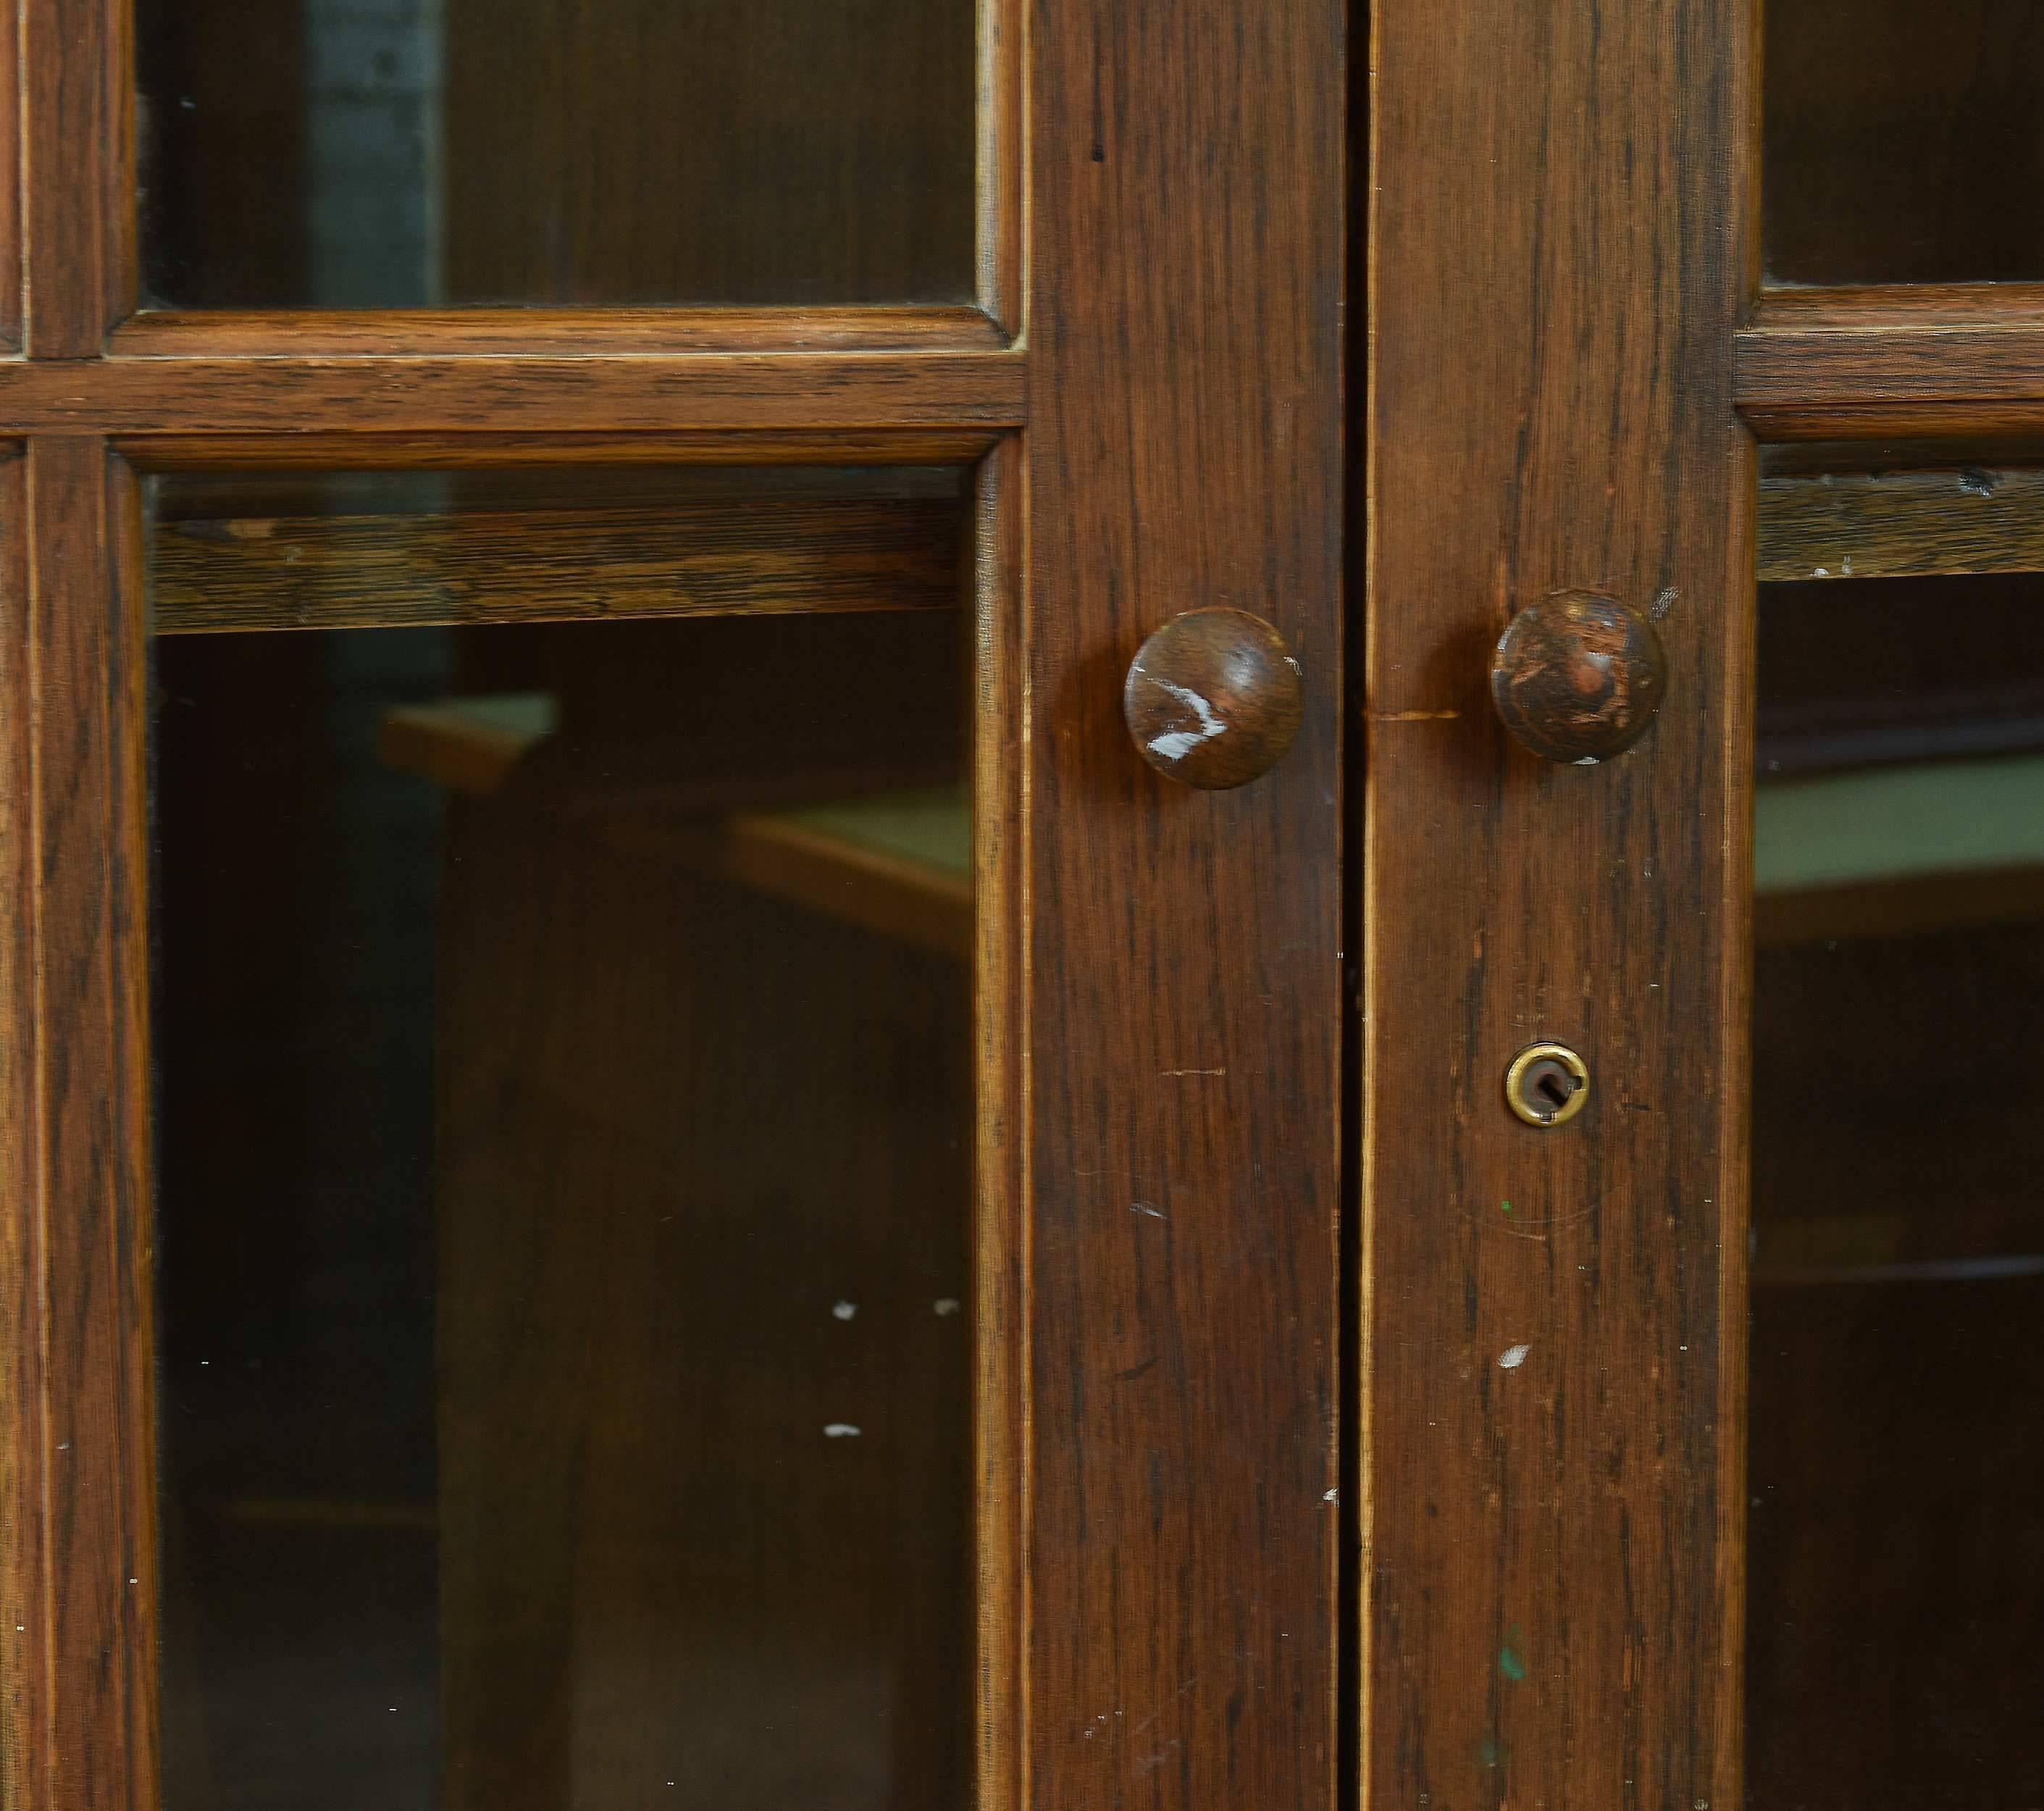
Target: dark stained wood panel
1185 449
334 450
25 1630
1892 524
1000 958
1952 359
1552 1333
511 393
533 565
83 1120
343 333
76 179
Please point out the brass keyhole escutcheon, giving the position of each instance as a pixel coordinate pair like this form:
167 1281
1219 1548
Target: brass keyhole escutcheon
1547 1084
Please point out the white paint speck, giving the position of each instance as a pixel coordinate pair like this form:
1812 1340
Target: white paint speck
1176 744
1822 572
1587 761
1512 1357
840 1430
947 1305
844 1310
1330 1496
1143 1207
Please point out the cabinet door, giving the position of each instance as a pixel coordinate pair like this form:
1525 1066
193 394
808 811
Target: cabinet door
671 708
1700 1444
1552 1312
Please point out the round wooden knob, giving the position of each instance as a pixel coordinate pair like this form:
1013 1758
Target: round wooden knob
1578 677
1213 698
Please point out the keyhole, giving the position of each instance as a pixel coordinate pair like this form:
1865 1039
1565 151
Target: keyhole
1546 1084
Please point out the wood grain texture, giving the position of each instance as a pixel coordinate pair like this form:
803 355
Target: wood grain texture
85 1130
1862 363
1003 113
1213 698
25 1632
218 333
1001 907
333 449
76 189
513 393
1554 1325
551 565
1893 525
1187 259
1576 677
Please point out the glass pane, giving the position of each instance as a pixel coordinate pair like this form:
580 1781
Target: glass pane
1895 1518
564 1103
1901 141
402 153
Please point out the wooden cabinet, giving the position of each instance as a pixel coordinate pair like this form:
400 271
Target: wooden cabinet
651 1152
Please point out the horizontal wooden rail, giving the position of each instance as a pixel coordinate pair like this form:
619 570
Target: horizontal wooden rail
717 558
815 393
1894 525
328 450
447 332
1860 364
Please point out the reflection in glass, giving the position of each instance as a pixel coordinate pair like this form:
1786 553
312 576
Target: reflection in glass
400 153
562 1052
1896 1516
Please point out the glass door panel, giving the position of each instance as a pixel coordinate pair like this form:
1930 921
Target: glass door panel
406 153
563 1110
1896 1514
1901 141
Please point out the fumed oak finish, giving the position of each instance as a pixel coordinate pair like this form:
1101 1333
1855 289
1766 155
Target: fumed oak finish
1577 678
1957 360
528 332
730 556
1893 525
74 1270
1213 698
1554 1323
1184 449
603 390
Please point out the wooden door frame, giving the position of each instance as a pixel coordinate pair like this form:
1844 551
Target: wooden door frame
1150 385
1572 363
